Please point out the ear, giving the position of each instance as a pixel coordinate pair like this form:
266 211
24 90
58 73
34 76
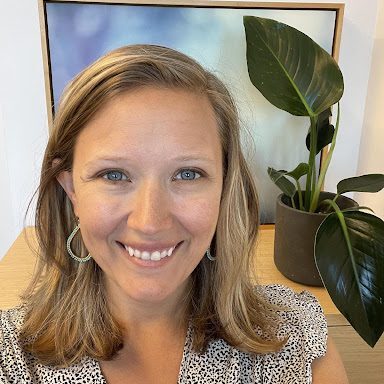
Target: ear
65 178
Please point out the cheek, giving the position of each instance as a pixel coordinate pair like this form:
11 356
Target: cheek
200 216
98 217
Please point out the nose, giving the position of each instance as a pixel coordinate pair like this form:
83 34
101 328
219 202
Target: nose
150 212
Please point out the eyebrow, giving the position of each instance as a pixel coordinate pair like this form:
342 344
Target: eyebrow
114 159
186 159
183 159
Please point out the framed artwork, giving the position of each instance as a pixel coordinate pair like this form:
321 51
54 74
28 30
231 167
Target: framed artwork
75 33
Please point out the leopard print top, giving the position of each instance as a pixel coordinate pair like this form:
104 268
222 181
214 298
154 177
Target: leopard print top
303 321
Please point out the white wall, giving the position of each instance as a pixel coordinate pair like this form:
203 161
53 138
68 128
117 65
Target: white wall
371 157
7 230
23 121
355 58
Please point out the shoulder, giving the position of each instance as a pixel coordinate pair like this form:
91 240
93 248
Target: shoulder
11 354
11 321
303 322
302 319
291 305
289 300
18 366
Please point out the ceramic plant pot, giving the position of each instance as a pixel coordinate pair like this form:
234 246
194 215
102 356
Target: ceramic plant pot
295 233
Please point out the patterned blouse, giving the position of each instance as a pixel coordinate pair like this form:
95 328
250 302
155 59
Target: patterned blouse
303 322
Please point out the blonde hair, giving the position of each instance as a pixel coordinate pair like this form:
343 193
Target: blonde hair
68 316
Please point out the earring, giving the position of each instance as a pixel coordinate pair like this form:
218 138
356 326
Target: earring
69 240
209 256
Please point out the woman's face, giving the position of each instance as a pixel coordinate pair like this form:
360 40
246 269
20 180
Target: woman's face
146 185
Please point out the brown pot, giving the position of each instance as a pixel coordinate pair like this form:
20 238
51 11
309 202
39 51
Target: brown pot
295 233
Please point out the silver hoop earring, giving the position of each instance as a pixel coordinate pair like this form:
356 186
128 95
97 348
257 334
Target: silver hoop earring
69 240
209 256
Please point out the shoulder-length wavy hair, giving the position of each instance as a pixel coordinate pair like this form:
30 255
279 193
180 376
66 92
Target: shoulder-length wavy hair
67 315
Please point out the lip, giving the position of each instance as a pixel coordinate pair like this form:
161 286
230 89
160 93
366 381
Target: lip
150 264
151 247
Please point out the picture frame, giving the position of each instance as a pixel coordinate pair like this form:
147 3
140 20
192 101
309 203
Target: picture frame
75 33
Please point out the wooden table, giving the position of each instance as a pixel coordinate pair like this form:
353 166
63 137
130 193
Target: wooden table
363 364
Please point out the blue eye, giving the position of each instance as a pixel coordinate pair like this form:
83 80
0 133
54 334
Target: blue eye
115 176
188 174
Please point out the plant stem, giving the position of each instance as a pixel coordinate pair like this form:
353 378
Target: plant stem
311 162
325 166
344 228
314 177
347 239
299 192
334 200
293 203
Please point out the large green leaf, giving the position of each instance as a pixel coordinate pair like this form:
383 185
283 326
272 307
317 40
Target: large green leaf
292 71
366 183
287 187
354 276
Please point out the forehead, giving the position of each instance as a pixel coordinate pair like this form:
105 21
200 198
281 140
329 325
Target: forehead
151 116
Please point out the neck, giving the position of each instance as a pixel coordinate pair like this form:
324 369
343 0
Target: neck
170 313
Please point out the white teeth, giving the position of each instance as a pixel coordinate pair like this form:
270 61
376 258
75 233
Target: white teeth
145 255
155 255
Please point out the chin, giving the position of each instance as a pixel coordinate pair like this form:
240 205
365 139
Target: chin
152 294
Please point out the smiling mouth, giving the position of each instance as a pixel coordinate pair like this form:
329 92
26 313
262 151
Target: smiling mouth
146 255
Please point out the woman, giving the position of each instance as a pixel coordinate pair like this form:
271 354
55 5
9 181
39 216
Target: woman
147 223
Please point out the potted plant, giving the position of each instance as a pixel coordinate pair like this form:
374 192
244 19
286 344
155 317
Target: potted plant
346 245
